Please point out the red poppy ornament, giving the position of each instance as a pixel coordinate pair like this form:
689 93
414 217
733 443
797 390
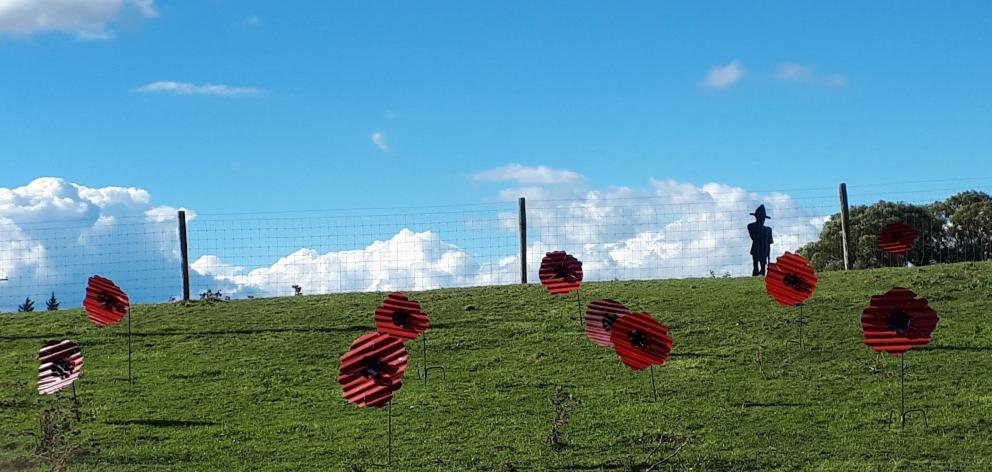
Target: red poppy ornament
790 280
105 302
898 321
400 317
373 369
641 341
61 362
600 318
897 238
560 272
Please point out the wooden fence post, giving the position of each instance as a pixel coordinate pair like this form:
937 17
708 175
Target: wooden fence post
184 250
522 219
845 226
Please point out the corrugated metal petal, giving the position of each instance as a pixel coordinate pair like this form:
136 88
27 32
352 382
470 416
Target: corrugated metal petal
560 272
898 321
60 363
897 238
790 280
641 341
373 369
105 302
600 317
400 317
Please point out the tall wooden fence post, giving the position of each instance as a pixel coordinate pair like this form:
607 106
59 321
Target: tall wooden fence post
184 250
522 218
845 226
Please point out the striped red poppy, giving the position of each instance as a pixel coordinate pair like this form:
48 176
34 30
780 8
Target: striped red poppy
897 238
373 369
898 321
600 317
790 280
641 341
61 362
560 272
105 302
400 317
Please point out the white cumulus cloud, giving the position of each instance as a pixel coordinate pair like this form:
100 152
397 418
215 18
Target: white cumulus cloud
407 261
526 175
671 229
186 88
802 74
721 77
85 19
55 234
379 140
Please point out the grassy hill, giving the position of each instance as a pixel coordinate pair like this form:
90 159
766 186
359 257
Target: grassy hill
251 385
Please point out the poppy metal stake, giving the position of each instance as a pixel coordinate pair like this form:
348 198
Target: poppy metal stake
654 388
902 398
578 306
801 322
427 368
130 378
75 402
389 432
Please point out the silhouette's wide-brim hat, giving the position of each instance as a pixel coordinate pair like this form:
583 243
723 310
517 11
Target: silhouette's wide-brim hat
760 212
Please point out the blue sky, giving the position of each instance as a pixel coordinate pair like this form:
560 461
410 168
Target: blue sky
139 107
878 92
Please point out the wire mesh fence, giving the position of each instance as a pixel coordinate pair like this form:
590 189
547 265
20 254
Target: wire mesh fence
679 231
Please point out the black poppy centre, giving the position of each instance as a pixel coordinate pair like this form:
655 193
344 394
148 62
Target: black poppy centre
109 302
62 368
562 272
795 282
402 319
638 339
898 321
608 320
371 367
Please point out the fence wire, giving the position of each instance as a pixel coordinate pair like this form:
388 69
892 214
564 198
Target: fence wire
682 231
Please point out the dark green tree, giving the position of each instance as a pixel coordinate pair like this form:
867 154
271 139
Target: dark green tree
947 208
969 228
28 305
866 222
53 303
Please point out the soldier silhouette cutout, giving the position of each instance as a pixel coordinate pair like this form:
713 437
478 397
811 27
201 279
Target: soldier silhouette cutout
761 241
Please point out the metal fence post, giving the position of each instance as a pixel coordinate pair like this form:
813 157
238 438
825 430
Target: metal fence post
522 218
184 250
845 226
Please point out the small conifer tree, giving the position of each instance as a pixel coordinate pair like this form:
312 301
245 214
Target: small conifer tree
53 303
28 305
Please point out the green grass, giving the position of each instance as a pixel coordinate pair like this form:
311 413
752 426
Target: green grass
251 385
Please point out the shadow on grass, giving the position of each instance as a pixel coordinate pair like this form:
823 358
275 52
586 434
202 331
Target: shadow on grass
239 332
774 405
478 324
958 348
612 465
163 423
691 355
42 337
